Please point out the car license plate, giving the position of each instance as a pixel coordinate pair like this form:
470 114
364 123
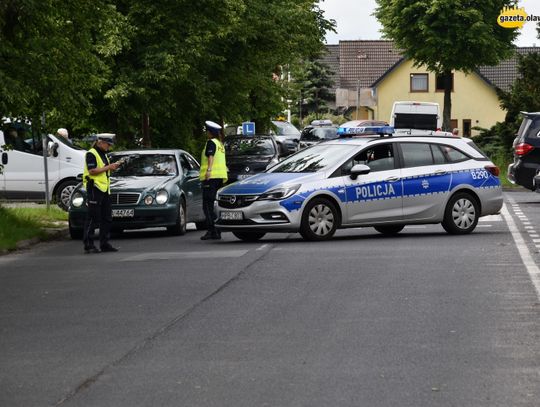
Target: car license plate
123 213
244 176
230 215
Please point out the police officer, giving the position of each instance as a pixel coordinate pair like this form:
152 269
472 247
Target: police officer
213 174
96 181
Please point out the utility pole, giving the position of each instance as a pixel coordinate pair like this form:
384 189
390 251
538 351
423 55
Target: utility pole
45 144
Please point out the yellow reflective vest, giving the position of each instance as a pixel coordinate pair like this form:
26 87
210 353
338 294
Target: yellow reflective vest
219 166
101 180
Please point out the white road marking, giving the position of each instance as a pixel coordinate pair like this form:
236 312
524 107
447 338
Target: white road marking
262 247
484 226
415 227
186 255
491 218
528 261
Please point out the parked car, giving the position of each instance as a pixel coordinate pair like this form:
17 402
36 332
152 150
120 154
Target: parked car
286 134
382 182
316 132
526 152
23 176
153 188
249 155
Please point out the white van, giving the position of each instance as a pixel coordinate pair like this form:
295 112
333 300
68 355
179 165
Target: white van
23 175
416 115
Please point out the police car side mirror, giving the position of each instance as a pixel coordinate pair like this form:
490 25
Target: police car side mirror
192 174
359 169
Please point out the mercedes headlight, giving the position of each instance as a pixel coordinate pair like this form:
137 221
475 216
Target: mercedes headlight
280 193
162 197
77 199
148 199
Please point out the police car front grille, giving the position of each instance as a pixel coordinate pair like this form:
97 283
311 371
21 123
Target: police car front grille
125 198
236 201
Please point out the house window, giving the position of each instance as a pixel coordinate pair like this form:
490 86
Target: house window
419 82
439 83
467 127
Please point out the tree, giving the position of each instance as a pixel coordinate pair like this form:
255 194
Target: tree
312 84
55 55
524 95
447 35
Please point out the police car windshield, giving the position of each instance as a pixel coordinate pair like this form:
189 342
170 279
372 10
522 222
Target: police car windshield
313 159
249 146
152 165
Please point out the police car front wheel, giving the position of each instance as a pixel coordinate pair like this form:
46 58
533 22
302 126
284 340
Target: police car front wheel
319 220
461 214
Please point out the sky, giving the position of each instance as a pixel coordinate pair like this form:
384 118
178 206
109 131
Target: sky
355 22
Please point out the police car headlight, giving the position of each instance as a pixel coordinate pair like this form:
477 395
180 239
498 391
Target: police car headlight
280 193
148 199
77 200
162 197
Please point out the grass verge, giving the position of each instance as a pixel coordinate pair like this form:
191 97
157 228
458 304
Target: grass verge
18 224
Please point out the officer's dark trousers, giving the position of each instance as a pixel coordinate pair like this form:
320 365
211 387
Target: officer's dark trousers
99 214
210 189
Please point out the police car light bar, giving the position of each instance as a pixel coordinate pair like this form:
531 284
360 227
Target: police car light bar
365 131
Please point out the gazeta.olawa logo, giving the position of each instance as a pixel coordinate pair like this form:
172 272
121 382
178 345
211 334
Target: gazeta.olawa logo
514 17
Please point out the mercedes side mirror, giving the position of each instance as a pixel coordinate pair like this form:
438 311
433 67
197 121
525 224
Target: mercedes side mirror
359 169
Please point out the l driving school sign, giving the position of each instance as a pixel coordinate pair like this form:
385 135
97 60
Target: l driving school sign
514 17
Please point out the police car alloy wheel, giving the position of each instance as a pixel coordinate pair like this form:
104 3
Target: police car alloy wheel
461 214
319 220
249 236
181 225
389 229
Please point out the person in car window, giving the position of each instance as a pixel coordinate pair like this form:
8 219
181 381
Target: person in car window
213 174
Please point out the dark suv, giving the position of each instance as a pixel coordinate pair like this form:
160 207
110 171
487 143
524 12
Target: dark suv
526 152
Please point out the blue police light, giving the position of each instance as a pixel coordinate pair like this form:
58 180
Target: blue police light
365 131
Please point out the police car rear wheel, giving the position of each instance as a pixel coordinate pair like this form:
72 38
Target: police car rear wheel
319 220
461 214
389 229
249 236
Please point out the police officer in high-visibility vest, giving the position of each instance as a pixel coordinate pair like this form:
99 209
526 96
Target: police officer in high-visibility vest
96 181
213 174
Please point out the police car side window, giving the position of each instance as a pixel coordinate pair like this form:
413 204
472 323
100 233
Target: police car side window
416 154
454 155
438 155
378 158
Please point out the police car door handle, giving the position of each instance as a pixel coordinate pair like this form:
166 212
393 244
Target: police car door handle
392 179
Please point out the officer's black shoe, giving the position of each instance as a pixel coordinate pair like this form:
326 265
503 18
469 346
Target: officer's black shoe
108 248
207 236
91 249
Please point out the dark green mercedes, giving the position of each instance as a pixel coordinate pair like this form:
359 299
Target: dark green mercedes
152 188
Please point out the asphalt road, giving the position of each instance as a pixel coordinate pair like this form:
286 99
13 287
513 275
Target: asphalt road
421 319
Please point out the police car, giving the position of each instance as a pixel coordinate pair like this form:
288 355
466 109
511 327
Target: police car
368 177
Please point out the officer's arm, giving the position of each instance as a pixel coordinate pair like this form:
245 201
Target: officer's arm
110 167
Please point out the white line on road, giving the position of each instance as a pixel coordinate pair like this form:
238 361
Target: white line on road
264 246
186 255
491 218
523 250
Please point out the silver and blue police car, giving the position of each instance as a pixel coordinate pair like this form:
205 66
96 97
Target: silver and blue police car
368 177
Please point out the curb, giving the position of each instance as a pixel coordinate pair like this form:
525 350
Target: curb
50 234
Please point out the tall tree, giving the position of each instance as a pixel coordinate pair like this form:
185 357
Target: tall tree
446 36
55 55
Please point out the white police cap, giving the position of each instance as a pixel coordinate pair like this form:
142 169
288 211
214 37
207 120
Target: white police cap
107 137
212 127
